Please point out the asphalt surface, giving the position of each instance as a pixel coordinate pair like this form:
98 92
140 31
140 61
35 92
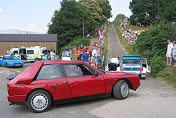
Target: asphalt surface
152 99
116 49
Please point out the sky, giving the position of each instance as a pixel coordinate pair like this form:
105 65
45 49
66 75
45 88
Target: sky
34 15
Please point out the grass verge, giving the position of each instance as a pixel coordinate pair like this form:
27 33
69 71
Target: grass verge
123 41
138 27
106 45
168 75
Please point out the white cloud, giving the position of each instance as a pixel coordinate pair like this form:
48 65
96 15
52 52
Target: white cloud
0 10
31 27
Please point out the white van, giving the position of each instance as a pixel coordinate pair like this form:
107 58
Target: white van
27 53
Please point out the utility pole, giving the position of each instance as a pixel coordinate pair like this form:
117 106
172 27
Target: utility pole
83 28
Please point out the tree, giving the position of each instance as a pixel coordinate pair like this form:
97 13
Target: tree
145 11
168 10
67 22
93 7
106 8
120 16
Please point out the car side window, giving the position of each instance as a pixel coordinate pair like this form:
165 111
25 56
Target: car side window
77 70
50 72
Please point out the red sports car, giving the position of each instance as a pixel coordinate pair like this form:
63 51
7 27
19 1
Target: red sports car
47 82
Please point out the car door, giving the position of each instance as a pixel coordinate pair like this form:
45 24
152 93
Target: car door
83 81
51 78
145 64
3 62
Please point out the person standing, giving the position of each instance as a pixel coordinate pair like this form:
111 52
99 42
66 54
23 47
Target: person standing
169 52
85 56
174 54
94 58
78 53
52 55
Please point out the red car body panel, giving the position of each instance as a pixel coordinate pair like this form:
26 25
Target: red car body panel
28 75
87 85
62 88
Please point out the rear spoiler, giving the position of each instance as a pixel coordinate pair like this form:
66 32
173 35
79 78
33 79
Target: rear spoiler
12 76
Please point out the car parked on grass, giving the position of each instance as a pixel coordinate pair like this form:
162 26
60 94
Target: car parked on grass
10 61
48 82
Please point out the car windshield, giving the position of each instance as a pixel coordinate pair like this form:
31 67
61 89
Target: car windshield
10 58
131 62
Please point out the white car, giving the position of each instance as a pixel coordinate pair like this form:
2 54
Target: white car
129 64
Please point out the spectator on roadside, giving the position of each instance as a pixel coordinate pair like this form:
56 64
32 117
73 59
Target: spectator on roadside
85 47
78 47
78 53
45 57
174 54
99 60
66 53
52 55
70 53
94 58
70 48
85 56
81 47
82 51
169 52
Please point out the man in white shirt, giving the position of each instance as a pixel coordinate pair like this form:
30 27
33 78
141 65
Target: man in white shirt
169 52
94 58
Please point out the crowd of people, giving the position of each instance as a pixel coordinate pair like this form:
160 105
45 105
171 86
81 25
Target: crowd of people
90 54
171 53
130 35
50 56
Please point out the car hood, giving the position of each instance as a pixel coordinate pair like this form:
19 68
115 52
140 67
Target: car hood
15 61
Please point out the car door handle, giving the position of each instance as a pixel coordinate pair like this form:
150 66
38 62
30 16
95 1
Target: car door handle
67 84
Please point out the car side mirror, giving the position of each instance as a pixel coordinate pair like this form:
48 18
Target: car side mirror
96 73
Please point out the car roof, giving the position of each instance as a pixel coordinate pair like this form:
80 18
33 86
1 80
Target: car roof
131 57
61 62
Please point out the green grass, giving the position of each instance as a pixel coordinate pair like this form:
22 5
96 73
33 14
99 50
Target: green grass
106 45
132 27
123 41
168 75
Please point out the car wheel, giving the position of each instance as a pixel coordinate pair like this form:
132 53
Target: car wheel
39 101
121 90
7 65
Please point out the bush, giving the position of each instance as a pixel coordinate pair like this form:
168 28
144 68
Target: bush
156 40
158 64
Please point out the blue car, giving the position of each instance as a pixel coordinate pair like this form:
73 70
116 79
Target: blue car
11 61
131 64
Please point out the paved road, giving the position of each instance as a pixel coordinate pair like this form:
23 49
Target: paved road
152 100
116 50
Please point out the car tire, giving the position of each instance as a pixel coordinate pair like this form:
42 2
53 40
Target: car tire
39 101
7 65
121 90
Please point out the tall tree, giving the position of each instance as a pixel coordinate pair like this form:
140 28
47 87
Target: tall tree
168 10
120 16
67 22
106 8
145 11
93 7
